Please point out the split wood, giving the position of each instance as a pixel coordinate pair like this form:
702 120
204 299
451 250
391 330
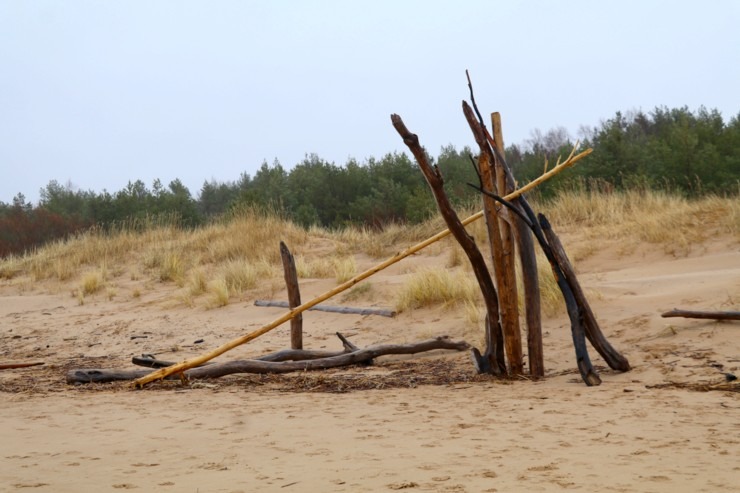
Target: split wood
217 370
702 314
192 362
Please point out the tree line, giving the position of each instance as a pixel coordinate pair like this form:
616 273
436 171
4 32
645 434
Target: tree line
689 152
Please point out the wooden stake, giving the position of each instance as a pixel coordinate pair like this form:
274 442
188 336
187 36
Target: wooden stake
199 360
294 296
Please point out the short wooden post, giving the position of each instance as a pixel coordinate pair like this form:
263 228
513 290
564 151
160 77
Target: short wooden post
294 296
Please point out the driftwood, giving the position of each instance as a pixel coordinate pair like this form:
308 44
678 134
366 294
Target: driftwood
507 310
612 357
216 370
198 360
11 366
493 148
702 314
334 309
578 332
294 296
493 360
527 259
150 361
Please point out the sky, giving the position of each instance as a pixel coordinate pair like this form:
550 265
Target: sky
95 94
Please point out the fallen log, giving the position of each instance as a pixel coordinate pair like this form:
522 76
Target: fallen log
11 366
334 309
701 314
216 370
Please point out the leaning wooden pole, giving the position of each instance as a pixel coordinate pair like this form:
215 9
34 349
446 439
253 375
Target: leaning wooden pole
488 180
199 360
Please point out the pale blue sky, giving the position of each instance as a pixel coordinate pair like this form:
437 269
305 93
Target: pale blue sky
98 93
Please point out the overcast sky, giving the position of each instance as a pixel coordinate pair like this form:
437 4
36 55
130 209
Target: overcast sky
97 93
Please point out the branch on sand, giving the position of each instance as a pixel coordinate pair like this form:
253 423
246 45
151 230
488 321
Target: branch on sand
217 370
701 314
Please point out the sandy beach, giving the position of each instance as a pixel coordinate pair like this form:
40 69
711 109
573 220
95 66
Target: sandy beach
383 427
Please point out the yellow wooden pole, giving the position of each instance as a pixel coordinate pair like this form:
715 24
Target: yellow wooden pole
199 360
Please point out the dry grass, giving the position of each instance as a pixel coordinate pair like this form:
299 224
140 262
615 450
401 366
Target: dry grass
92 282
655 217
341 268
433 286
235 255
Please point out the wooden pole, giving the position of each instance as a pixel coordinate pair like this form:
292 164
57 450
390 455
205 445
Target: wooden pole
507 278
294 296
199 360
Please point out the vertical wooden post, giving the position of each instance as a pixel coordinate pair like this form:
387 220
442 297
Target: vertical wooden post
294 296
528 260
505 264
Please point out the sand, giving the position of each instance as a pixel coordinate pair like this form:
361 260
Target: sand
311 432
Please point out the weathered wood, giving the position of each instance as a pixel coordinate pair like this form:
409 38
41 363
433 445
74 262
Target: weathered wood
578 333
530 275
676 312
509 296
217 370
496 363
348 310
294 296
195 361
149 361
487 177
349 346
596 337
11 366
511 229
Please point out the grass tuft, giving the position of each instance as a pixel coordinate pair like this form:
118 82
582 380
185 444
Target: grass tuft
433 286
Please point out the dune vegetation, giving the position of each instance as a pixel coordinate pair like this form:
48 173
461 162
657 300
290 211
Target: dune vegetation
215 264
